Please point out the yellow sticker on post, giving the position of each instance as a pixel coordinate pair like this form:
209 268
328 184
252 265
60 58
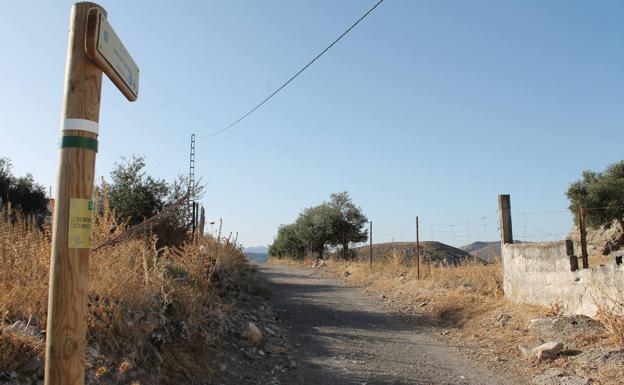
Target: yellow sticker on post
80 221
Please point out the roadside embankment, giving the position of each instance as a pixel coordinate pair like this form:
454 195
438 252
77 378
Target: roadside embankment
167 315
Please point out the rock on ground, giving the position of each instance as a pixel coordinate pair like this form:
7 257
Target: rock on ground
548 350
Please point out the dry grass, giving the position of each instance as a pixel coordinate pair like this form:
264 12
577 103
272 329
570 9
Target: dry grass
17 352
611 315
395 257
158 310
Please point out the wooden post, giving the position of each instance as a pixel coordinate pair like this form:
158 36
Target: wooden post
504 204
417 251
370 243
583 237
71 229
89 54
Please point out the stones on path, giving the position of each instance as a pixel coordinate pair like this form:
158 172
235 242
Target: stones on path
502 319
26 329
275 349
547 350
253 334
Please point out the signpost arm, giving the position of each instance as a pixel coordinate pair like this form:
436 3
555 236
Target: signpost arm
69 265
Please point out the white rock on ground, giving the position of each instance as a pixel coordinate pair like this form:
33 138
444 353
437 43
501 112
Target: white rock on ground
548 350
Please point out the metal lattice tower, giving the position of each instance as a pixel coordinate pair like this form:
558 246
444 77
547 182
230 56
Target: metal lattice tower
191 180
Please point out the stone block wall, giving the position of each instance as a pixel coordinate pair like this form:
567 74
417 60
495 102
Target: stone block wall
540 274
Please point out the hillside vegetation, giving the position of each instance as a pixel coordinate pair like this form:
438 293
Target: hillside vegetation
488 252
404 252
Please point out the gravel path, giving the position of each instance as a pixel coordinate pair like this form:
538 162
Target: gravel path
344 336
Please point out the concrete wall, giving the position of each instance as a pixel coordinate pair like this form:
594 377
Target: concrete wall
539 274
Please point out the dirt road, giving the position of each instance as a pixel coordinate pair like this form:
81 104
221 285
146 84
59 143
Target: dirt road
344 336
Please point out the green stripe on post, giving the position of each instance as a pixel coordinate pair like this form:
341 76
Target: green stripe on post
79 142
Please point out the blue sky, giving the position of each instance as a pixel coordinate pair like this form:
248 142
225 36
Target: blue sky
427 108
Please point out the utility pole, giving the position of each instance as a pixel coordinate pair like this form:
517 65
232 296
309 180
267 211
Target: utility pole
93 48
417 250
583 234
370 243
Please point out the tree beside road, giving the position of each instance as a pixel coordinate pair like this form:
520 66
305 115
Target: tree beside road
337 222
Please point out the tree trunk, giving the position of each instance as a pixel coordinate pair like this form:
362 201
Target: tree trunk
345 249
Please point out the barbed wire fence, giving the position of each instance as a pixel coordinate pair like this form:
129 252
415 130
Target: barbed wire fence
528 226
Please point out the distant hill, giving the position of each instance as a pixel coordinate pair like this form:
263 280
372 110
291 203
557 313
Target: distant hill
257 249
257 253
259 257
430 251
488 252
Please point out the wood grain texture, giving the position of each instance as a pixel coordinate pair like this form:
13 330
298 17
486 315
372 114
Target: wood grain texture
69 268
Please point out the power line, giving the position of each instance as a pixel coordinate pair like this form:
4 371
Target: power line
295 75
166 157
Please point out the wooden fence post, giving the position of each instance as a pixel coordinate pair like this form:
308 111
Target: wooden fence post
504 204
583 234
417 250
370 244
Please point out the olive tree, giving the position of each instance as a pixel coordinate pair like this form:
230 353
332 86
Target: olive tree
601 194
335 222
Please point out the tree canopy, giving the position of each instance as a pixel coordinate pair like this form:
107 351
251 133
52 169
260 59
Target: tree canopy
601 194
287 243
335 222
135 196
23 192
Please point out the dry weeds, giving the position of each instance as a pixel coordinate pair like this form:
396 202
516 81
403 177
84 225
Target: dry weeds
612 317
154 309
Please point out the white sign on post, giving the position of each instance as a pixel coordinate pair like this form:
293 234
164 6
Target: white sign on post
117 56
105 48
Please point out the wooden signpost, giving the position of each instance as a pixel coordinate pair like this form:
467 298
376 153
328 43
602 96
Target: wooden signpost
93 48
